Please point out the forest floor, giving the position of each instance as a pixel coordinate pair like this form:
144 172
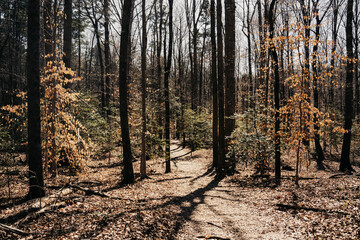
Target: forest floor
188 203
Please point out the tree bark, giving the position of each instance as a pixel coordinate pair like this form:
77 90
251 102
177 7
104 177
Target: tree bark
319 151
36 183
230 80
220 58
143 92
67 33
345 164
215 126
107 59
166 85
273 53
128 172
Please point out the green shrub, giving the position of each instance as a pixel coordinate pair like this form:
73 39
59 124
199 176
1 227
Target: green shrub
197 128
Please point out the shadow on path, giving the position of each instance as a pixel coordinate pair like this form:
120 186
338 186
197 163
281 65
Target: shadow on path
176 158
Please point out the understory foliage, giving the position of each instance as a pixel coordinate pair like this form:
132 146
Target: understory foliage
197 128
104 132
66 140
251 141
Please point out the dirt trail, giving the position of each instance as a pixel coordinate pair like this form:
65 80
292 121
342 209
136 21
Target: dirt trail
210 207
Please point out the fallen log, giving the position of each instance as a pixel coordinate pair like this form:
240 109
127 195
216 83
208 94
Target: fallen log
11 229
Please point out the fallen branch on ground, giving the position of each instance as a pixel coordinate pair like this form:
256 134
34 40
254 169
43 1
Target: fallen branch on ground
45 201
36 206
90 192
13 230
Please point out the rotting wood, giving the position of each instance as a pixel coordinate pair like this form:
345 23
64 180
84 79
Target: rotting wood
11 229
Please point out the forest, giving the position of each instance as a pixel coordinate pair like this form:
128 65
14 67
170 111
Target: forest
179 119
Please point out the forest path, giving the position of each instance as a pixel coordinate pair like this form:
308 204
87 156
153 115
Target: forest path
210 207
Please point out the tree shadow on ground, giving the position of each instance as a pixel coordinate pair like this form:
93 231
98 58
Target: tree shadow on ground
9 202
172 179
251 182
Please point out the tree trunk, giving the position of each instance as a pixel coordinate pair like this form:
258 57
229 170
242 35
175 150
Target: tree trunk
36 183
67 33
47 29
230 80
305 8
333 51
345 164
319 151
221 160
107 59
195 84
128 171
215 126
159 69
166 83
79 36
273 53
143 91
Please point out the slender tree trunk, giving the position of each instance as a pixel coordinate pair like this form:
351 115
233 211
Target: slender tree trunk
102 70
128 171
345 164
107 59
159 69
356 65
319 151
47 29
230 80
215 126
79 37
273 53
36 181
67 33
143 90
194 79
333 51
221 160
53 99
166 83
305 7
201 75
